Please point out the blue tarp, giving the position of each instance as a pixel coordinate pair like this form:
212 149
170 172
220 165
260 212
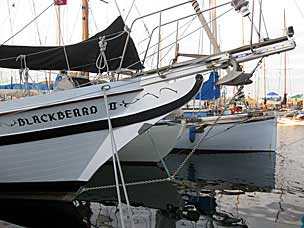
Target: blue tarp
209 91
31 86
273 96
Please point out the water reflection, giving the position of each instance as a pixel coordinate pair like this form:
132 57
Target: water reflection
212 190
243 171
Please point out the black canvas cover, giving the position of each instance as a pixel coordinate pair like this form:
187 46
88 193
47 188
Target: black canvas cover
81 56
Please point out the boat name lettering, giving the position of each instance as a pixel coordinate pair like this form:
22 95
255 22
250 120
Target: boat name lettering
61 115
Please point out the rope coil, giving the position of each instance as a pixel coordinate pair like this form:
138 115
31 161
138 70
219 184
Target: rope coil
102 56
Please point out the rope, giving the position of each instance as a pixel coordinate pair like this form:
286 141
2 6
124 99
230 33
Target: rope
102 56
115 156
127 184
30 22
104 88
24 72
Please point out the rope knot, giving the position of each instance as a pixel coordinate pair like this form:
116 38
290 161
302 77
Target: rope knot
102 44
102 56
127 29
21 58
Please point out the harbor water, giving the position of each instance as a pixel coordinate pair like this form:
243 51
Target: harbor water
263 189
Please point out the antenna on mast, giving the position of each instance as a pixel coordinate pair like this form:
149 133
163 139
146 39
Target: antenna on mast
285 62
241 6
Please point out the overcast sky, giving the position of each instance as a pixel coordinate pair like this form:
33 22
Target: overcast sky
14 14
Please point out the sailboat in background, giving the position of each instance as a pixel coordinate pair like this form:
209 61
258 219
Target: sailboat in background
247 132
295 117
229 133
216 129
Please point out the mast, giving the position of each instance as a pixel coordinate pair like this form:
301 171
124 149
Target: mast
212 3
265 94
58 37
85 24
204 23
85 19
285 62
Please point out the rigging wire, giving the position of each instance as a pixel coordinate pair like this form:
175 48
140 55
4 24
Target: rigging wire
260 19
183 37
75 22
169 35
299 9
172 46
142 19
5 18
94 21
9 16
165 37
63 45
264 23
215 7
30 22
131 7
118 9
36 22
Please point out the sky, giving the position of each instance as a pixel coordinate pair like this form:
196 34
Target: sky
14 14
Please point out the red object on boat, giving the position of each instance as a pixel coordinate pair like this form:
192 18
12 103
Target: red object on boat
60 2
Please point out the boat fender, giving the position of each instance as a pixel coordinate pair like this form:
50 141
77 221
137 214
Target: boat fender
192 134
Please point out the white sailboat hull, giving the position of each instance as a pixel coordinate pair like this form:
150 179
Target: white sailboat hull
258 135
65 158
153 145
63 138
